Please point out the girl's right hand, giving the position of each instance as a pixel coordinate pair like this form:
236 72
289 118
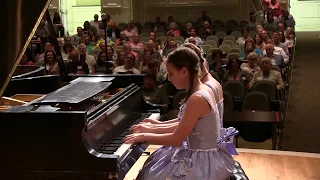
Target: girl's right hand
141 128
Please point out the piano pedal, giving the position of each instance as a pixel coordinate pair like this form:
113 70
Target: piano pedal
147 153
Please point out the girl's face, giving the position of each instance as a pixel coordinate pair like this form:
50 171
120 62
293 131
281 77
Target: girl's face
103 57
249 44
177 76
258 38
50 57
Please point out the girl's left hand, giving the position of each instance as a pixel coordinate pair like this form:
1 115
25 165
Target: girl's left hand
134 138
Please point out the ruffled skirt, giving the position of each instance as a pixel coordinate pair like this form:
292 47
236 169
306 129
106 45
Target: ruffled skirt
171 163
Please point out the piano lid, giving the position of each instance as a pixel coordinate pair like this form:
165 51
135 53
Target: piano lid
22 17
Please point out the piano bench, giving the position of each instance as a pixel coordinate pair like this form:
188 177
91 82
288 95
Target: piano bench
238 173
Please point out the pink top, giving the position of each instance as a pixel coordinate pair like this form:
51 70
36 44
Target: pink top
136 46
175 32
130 34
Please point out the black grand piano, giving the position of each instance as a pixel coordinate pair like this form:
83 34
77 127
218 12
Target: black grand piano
63 128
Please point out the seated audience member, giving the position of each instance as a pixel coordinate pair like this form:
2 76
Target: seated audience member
157 46
87 42
101 63
129 31
113 31
151 92
47 47
128 50
206 31
276 60
241 40
187 31
249 43
26 59
277 43
153 69
93 36
128 67
193 33
287 19
150 48
143 65
259 43
121 59
67 48
289 39
77 37
169 45
253 23
251 66
274 7
90 60
204 18
122 40
246 51
271 22
234 73
77 66
51 63
282 27
152 36
267 73
136 44
112 55
173 31
217 66
282 37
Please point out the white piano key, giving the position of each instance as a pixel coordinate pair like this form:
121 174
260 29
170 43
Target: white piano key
125 148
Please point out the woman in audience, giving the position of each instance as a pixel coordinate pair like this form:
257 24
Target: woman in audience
86 27
251 66
110 54
129 32
93 37
217 66
157 46
51 63
270 21
173 31
259 43
120 60
152 36
289 40
245 53
26 59
154 54
185 65
167 46
101 63
153 68
268 74
282 37
143 65
234 72
58 22
241 40
250 44
274 7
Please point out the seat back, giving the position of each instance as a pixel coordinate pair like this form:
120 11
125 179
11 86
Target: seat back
266 87
228 101
236 88
256 101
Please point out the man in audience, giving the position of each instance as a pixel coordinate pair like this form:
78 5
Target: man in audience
122 40
206 31
151 92
158 24
268 74
276 60
204 18
194 35
76 66
76 39
127 68
47 47
153 68
278 43
113 31
128 50
287 19
276 51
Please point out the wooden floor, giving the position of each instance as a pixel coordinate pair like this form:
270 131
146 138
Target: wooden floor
264 164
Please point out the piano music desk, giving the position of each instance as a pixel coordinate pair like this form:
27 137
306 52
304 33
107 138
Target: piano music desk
263 164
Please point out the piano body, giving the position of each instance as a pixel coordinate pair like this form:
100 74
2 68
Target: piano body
63 128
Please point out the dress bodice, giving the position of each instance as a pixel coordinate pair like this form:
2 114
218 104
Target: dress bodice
219 102
206 132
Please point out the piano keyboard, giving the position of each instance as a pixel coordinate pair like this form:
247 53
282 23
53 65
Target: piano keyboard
117 147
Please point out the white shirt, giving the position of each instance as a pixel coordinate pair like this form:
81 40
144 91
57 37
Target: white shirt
279 51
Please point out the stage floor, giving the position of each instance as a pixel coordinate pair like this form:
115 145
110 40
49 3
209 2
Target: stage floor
263 164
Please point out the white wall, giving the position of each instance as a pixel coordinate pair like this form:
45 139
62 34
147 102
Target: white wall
306 15
184 10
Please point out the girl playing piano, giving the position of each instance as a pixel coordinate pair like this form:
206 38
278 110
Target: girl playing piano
195 149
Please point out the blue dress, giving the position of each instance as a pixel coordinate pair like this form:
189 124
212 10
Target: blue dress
204 154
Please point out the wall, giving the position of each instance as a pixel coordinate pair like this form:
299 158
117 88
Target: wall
119 10
147 10
306 15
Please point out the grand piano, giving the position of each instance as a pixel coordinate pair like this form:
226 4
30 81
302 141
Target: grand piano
63 127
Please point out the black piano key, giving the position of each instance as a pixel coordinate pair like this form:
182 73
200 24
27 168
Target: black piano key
108 148
107 152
